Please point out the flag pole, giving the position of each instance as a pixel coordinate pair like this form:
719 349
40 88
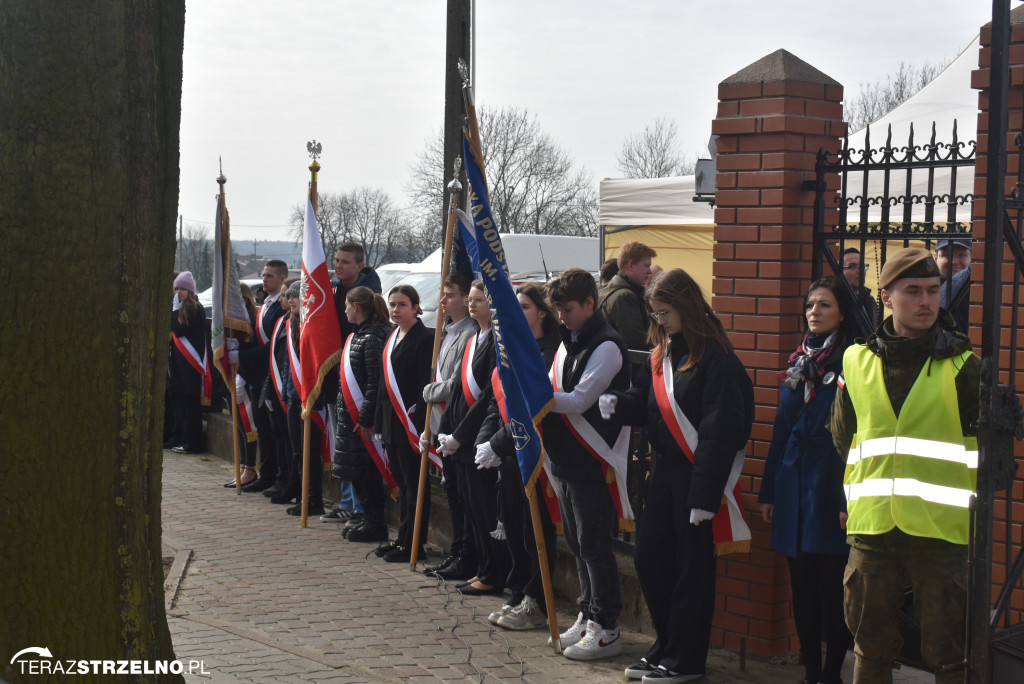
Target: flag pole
307 428
230 380
455 187
538 535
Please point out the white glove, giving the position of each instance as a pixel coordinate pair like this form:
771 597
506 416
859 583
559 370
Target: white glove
698 515
424 442
379 438
485 457
449 445
239 382
232 356
606 403
231 343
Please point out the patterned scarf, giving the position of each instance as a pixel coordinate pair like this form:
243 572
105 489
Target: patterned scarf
808 362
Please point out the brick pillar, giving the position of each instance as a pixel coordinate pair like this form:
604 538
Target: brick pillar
773 116
980 79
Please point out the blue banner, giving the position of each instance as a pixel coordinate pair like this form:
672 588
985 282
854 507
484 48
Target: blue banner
524 379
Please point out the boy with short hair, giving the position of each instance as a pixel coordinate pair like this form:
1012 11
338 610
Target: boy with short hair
592 360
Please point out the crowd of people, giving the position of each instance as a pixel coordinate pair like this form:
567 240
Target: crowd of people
871 462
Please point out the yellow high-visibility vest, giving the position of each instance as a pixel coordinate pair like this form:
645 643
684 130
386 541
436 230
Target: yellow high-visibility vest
916 472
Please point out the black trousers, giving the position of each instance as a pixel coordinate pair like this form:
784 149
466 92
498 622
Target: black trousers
524 578
462 536
296 426
405 466
372 493
190 418
479 489
272 437
675 563
817 582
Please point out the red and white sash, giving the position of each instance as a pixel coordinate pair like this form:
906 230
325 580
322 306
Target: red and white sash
732 535
470 387
353 396
245 414
275 371
200 364
614 459
398 404
319 418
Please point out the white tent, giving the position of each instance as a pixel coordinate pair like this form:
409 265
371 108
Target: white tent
661 213
947 101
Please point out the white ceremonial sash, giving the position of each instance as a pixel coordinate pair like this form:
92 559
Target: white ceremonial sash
398 404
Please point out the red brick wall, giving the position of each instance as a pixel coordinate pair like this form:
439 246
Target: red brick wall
769 134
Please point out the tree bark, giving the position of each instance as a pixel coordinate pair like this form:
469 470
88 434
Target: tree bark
90 107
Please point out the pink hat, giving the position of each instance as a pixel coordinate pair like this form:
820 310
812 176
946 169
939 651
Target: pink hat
186 281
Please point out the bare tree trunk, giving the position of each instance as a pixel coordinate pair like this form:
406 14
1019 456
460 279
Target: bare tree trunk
90 106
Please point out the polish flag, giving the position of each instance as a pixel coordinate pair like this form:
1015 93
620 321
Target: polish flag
320 334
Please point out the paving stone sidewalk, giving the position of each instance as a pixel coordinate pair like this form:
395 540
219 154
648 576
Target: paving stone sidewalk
258 598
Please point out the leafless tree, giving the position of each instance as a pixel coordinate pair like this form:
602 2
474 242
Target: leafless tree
534 186
195 253
655 153
881 97
364 215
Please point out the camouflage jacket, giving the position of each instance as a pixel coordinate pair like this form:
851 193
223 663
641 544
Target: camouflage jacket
902 361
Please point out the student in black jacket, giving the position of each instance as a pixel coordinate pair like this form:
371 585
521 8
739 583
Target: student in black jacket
401 413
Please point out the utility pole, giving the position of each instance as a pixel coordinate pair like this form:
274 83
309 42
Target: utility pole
458 44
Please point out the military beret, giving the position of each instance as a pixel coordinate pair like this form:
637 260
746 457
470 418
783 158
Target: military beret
908 263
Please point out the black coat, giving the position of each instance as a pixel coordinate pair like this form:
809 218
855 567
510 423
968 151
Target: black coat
366 349
462 421
254 361
717 397
411 361
184 380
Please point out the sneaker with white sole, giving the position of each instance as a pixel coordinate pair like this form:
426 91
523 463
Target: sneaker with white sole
527 615
663 676
573 634
641 669
336 516
597 643
498 614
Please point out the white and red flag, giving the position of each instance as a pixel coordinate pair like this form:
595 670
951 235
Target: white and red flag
320 334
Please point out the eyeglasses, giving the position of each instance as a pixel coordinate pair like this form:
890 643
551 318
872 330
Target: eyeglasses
851 267
659 316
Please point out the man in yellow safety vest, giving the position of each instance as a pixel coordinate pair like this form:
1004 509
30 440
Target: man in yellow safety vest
905 415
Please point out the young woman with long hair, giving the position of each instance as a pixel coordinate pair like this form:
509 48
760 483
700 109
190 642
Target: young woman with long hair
401 413
698 407
802 485
358 457
189 380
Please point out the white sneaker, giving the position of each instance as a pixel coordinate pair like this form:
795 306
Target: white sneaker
527 615
596 643
498 614
573 634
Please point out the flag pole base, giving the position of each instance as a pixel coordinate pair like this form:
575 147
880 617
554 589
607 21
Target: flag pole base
556 645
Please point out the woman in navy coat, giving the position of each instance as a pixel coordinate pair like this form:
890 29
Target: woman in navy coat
802 487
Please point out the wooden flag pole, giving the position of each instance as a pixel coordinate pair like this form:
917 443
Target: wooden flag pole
449 235
230 381
545 570
542 555
307 428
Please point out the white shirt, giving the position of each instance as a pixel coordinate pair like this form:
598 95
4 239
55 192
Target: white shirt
603 365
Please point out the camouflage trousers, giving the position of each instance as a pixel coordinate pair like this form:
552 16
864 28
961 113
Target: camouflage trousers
877 574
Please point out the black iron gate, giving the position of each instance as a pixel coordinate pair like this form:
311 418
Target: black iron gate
908 194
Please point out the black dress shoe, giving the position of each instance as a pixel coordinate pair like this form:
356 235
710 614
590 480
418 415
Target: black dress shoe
368 533
384 548
445 562
257 485
458 570
473 591
400 554
313 510
285 498
272 490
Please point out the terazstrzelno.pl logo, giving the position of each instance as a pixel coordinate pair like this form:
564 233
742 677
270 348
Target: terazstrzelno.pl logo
35 660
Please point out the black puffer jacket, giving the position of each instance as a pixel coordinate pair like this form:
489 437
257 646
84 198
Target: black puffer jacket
366 349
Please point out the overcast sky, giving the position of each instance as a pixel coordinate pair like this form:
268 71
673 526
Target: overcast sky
262 77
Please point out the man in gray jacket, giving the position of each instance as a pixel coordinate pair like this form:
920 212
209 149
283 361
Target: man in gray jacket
622 300
461 558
